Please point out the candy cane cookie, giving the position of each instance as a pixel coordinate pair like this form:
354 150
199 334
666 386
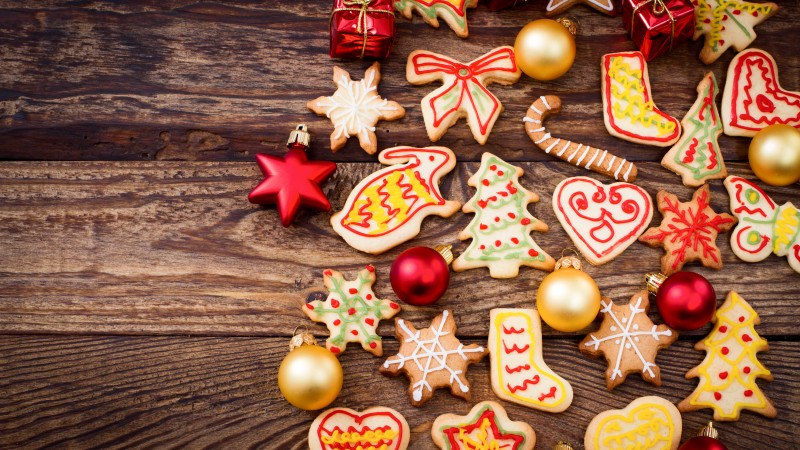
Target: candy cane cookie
595 159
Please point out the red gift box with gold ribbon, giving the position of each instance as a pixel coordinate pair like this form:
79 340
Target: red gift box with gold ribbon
362 28
657 26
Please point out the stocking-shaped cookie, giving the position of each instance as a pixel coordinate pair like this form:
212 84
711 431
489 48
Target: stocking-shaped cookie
453 12
753 98
628 109
463 92
727 23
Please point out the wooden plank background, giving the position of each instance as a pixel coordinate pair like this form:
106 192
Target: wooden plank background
145 303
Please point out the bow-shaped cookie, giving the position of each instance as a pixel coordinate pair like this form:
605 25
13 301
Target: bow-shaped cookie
464 92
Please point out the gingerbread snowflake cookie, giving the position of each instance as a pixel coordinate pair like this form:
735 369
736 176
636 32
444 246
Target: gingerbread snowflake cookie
351 311
486 426
628 340
433 358
355 108
688 231
453 12
463 92
727 23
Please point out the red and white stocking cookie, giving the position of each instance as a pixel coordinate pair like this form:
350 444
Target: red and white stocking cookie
463 92
518 372
601 219
727 23
628 109
387 207
647 423
753 97
351 311
486 426
729 371
344 428
453 12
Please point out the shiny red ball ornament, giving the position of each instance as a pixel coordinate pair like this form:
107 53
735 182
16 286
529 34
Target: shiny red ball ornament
292 181
686 300
703 443
421 275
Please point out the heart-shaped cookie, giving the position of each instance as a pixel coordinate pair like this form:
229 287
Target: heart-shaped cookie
646 423
602 219
753 98
344 428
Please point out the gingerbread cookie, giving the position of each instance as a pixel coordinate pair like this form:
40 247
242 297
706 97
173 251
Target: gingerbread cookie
518 372
351 311
556 7
688 231
628 340
727 375
764 226
387 207
486 426
463 92
600 161
727 23
355 108
432 358
753 96
373 428
602 220
500 230
696 157
628 111
650 423
453 12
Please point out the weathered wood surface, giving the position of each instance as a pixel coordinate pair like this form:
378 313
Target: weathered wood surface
104 266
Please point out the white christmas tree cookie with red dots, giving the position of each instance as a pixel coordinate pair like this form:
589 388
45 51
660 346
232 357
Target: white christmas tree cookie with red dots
727 23
518 372
500 230
729 371
351 311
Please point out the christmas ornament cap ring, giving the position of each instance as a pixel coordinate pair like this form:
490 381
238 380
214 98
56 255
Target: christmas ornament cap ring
299 135
304 338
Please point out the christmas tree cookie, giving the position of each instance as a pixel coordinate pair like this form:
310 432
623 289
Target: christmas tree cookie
697 157
351 311
453 12
500 230
628 109
729 371
727 23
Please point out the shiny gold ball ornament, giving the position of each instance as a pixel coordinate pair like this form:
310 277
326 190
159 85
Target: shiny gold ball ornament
310 376
775 155
545 48
568 298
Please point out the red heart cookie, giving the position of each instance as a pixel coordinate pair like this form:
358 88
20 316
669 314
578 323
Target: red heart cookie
753 98
344 428
601 219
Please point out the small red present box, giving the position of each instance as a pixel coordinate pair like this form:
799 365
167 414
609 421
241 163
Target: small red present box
497 5
657 26
362 28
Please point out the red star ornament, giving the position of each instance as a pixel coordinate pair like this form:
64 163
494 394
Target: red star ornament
292 181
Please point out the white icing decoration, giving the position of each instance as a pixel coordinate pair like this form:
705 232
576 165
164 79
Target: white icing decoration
550 147
604 5
354 106
544 138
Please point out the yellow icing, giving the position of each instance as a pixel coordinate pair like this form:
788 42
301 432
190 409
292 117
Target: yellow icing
714 29
785 228
354 437
482 435
653 429
630 92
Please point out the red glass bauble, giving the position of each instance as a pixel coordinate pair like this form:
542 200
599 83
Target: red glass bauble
703 443
686 301
420 276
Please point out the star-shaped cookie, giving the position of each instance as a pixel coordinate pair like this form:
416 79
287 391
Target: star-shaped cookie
453 12
351 311
727 23
433 358
556 7
628 340
688 231
486 426
355 108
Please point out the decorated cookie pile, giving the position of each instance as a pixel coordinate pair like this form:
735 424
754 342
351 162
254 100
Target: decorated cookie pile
601 218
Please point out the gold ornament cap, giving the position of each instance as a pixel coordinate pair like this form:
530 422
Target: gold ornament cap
299 340
570 24
709 431
446 251
563 446
568 262
299 135
654 281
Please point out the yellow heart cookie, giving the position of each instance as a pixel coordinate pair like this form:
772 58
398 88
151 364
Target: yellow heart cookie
647 423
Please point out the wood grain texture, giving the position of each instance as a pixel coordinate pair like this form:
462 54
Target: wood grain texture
172 392
221 81
158 247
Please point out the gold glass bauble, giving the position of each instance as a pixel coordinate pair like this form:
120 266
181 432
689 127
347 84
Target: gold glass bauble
544 49
310 377
568 299
775 155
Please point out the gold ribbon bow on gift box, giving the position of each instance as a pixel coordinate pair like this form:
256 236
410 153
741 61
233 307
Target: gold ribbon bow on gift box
362 7
658 8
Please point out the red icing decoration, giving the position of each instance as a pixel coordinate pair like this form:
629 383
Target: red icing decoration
510 441
351 311
354 332
746 338
335 303
353 291
725 350
524 385
378 420
746 370
337 322
369 321
748 393
723 375
717 396
373 345
723 329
